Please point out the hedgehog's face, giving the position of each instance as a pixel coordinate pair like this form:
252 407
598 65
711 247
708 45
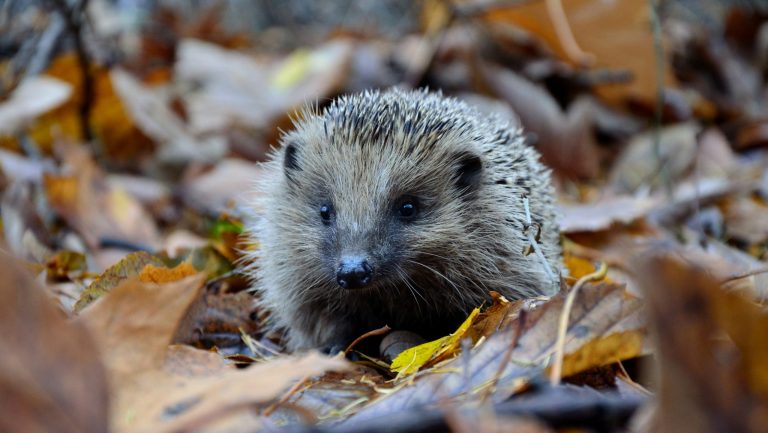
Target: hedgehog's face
377 218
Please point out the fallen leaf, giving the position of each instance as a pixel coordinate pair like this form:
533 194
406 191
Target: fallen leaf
161 274
51 376
24 232
33 97
630 47
495 317
19 168
745 220
206 259
230 182
235 89
606 326
99 213
182 240
427 354
601 215
155 118
65 265
135 323
711 349
715 157
640 166
131 265
219 320
122 142
477 325
563 138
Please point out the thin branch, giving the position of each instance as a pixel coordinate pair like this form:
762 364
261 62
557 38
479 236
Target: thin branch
288 394
562 330
522 315
380 331
659 109
750 273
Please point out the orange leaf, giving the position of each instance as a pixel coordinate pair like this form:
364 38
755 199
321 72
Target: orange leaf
630 45
161 274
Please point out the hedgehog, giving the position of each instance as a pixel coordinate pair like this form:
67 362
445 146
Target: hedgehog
403 208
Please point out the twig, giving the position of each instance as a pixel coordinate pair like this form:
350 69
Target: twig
659 109
288 394
381 331
746 274
507 354
565 34
562 329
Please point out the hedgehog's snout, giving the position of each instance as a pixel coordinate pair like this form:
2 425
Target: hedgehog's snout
354 272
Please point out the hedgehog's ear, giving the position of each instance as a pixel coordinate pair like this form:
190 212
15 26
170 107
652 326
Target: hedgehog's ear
469 170
290 160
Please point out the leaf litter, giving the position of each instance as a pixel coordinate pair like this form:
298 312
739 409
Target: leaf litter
138 319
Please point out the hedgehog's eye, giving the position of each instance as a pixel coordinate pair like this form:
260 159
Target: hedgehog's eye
407 208
325 213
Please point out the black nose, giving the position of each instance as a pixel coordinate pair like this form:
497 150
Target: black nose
354 272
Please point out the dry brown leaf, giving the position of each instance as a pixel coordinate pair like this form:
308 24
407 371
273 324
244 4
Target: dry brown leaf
155 118
629 47
131 265
135 323
97 211
604 213
563 138
640 166
711 348
23 228
33 97
230 182
715 157
606 325
238 89
218 319
495 316
51 377
745 220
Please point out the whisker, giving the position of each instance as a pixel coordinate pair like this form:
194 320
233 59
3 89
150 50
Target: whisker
436 272
414 291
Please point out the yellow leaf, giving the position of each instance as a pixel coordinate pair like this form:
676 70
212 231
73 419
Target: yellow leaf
577 266
413 359
605 350
293 70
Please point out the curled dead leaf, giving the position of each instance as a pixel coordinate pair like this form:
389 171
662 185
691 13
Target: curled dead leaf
51 376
